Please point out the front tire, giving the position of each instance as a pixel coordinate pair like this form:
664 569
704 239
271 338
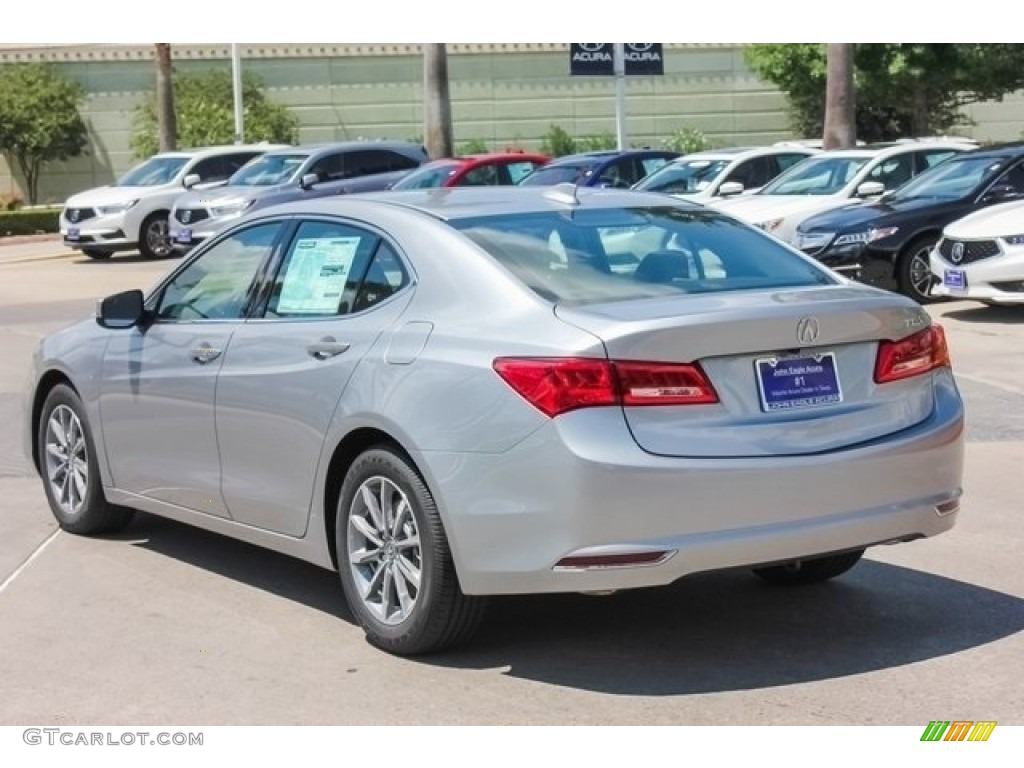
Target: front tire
914 270
67 462
155 236
811 571
394 561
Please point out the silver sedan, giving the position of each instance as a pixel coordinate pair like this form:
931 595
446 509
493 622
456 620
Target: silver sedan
450 394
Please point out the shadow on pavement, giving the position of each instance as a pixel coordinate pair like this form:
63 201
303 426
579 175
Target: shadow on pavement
708 633
980 313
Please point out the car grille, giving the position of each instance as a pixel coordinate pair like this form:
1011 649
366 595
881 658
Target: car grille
967 251
75 215
191 215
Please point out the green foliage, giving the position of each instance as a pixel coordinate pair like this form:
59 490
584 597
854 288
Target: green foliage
472 147
597 142
903 89
204 107
29 222
687 140
39 119
557 142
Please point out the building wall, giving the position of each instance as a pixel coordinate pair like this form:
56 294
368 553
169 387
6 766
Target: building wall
503 94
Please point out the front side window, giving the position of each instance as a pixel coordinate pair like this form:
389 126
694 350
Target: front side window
519 169
481 176
219 284
606 255
893 172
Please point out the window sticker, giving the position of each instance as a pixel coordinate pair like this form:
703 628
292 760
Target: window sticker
316 275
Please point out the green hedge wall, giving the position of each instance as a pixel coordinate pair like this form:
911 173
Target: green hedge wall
29 222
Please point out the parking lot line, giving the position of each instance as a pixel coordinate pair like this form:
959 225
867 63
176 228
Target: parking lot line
28 561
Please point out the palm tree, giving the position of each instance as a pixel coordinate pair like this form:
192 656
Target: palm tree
840 118
167 122
437 106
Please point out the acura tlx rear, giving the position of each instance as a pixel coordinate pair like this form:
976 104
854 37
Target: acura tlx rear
701 432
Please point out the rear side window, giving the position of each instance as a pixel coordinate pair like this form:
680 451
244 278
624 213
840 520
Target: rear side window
619 254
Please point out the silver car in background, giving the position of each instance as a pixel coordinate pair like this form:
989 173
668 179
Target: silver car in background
449 394
292 173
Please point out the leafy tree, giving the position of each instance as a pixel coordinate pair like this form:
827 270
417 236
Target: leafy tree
596 142
687 140
39 119
472 147
902 89
206 116
557 142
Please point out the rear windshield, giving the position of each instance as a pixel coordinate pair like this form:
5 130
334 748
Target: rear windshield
601 255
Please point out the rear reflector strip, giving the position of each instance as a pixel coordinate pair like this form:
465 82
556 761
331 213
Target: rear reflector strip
618 560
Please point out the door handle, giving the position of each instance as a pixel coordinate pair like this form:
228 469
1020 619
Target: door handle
326 348
204 353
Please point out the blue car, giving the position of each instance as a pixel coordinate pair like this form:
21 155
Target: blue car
609 168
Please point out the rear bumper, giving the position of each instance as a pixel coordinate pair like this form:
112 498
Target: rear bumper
580 483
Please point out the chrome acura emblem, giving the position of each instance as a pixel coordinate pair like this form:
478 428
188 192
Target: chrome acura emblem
73 215
957 254
186 216
807 330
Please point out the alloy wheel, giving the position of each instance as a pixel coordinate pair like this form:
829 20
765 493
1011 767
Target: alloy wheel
158 237
384 551
67 459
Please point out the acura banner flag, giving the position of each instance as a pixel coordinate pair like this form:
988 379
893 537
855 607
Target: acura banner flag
599 59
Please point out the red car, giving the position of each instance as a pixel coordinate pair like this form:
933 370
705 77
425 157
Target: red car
494 168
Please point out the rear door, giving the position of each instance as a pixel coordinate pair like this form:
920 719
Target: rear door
339 286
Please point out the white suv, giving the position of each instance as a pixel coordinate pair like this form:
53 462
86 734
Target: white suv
836 178
132 213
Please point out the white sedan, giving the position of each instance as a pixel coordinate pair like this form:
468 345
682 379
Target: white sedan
981 256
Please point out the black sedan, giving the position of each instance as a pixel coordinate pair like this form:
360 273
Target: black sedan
887 243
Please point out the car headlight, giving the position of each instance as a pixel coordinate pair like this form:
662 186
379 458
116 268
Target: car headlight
106 210
813 239
231 209
1014 240
852 238
880 233
771 225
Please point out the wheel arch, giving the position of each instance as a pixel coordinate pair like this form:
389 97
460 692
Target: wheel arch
345 453
927 233
46 383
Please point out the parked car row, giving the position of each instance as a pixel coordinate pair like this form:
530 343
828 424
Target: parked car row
874 213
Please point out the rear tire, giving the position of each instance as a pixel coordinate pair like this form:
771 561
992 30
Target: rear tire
94 253
811 571
914 274
67 462
394 562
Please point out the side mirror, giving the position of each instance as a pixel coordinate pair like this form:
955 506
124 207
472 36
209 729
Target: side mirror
122 310
870 189
308 180
191 180
731 189
1000 192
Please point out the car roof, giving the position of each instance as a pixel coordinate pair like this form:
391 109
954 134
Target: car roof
336 146
223 149
736 153
582 158
453 203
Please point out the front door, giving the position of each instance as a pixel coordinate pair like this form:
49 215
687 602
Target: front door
159 380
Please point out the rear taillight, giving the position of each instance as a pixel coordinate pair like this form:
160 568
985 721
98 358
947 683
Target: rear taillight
924 351
555 385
